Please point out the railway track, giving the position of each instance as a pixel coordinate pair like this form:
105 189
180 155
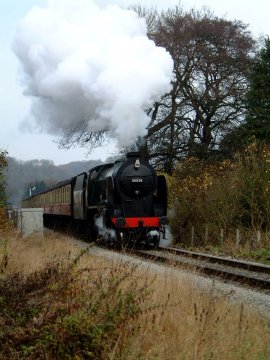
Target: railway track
244 272
239 271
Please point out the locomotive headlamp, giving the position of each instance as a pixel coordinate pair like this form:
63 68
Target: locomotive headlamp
163 220
137 164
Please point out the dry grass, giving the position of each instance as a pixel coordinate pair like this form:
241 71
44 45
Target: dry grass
31 253
175 320
202 326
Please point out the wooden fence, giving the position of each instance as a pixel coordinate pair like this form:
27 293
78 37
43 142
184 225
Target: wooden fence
239 236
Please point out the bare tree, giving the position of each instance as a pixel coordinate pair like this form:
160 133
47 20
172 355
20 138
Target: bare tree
82 137
212 58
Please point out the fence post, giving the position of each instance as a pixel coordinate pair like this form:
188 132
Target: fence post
206 235
237 237
221 235
258 236
192 236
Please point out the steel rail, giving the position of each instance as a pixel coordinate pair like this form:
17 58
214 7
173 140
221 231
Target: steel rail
244 272
243 264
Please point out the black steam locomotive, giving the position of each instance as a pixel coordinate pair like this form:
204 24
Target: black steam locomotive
123 202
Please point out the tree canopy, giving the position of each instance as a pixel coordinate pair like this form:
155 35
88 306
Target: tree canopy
212 60
258 97
256 126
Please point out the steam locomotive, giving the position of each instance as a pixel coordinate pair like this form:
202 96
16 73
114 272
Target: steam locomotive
119 203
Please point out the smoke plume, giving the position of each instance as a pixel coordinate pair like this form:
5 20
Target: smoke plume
85 64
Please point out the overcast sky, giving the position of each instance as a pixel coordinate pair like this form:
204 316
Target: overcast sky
14 107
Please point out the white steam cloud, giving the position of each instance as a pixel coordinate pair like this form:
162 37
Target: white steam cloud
85 64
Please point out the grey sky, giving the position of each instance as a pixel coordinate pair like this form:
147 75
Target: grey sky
14 106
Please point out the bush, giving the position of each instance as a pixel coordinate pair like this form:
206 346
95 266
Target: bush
203 195
63 311
5 224
254 186
221 195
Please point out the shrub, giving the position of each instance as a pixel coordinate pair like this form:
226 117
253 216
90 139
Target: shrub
63 311
221 195
203 195
254 186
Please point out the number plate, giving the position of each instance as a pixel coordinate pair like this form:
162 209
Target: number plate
137 180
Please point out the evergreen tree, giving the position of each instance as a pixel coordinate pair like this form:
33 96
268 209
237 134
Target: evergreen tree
258 98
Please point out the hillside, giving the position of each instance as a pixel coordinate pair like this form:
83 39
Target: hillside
21 176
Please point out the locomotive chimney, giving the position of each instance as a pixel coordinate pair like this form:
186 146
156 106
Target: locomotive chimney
133 154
